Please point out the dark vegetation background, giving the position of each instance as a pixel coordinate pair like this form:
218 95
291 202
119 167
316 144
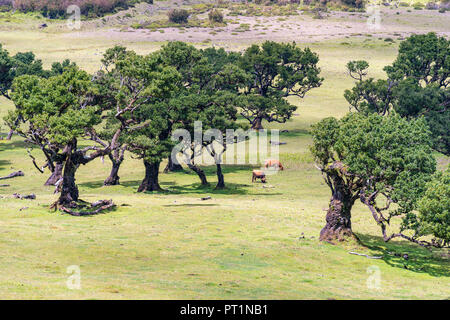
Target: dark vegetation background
96 8
58 8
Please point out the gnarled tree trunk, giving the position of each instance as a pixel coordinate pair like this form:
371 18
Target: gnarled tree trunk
338 218
201 174
257 124
56 174
113 178
150 182
69 189
10 133
220 177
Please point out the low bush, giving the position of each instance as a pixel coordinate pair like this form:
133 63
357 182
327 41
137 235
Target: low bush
215 16
58 8
432 6
179 16
6 5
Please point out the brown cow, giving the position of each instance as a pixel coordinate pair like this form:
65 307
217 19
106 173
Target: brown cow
273 163
258 174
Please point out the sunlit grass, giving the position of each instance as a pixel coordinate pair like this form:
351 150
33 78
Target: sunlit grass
249 241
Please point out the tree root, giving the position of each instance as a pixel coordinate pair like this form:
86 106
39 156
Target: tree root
95 208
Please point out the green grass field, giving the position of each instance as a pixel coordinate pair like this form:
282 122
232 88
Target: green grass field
247 242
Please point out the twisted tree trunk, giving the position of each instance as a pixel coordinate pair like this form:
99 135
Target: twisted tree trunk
113 178
257 123
220 177
10 134
200 173
150 182
338 219
69 189
344 193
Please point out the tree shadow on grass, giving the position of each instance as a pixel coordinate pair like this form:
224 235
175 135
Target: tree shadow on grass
14 144
419 259
197 188
194 188
230 189
295 133
4 163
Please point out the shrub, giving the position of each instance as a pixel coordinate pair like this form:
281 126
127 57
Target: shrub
58 8
178 16
354 3
432 6
5 5
215 16
434 207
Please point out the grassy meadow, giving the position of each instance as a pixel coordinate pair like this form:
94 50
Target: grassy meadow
249 241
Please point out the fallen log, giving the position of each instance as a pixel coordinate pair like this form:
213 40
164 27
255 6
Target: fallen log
277 143
21 197
13 175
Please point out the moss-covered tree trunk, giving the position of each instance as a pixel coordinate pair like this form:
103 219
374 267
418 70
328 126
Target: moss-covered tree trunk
338 219
150 182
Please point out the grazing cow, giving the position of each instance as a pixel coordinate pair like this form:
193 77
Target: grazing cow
258 174
273 163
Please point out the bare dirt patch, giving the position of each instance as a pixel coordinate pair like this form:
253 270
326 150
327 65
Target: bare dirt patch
394 22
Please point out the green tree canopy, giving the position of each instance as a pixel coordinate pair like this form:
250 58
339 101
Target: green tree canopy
276 71
211 83
205 89
384 162
22 63
56 113
132 91
417 85
434 207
